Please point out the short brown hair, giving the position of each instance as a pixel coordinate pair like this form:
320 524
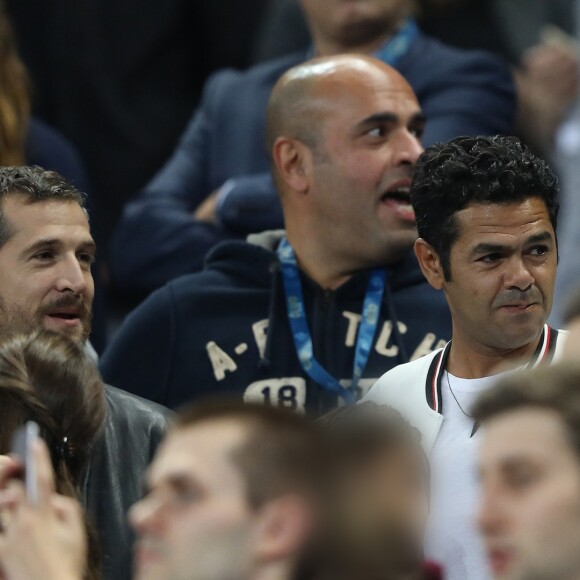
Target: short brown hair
362 432
34 184
282 451
555 388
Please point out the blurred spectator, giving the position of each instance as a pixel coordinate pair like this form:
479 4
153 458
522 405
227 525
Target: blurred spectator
530 474
469 24
48 379
217 184
304 317
120 79
382 484
26 140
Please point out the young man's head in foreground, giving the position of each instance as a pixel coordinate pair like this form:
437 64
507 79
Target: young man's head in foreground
530 471
234 492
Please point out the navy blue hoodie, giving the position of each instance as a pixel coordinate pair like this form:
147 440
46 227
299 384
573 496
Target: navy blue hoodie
225 331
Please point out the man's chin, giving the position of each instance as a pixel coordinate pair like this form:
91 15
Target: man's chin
75 330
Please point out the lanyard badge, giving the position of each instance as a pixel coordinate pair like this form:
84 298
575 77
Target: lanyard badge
301 332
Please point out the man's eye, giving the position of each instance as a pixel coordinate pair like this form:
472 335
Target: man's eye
521 479
186 496
417 132
377 132
43 256
86 258
490 258
539 251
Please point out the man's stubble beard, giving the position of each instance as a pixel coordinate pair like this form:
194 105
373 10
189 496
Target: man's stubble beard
17 318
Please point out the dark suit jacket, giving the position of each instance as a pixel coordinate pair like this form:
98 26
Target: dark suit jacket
157 240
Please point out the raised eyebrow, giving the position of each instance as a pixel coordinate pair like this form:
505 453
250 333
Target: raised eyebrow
541 237
39 244
417 119
486 248
378 119
88 245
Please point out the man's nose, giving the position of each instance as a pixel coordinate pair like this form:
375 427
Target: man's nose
71 276
408 148
490 516
518 275
146 514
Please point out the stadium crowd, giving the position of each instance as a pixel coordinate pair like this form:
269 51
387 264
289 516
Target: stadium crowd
333 329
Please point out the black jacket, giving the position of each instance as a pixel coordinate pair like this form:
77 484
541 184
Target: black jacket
226 331
113 480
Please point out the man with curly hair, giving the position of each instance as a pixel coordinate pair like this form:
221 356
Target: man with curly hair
486 211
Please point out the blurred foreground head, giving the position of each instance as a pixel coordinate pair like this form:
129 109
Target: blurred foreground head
235 492
382 494
47 378
530 473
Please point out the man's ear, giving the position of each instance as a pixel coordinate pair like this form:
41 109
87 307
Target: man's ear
292 160
283 528
430 263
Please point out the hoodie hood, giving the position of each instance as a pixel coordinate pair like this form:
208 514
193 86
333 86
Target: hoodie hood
255 258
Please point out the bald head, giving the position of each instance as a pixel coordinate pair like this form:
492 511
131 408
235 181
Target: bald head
307 94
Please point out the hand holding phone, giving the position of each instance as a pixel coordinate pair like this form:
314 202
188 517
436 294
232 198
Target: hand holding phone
23 449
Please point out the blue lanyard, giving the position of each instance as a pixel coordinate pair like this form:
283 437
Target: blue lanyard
301 332
399 44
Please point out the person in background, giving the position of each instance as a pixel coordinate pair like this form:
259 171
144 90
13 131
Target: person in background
486 211
235 491
217 184
529 464
46 253
47 378
309 316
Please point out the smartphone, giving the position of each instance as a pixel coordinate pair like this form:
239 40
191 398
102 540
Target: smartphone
23 449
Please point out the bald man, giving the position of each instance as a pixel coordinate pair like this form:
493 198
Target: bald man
311 316
216 185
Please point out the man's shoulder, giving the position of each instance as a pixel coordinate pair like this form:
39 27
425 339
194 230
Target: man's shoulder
431 60
402 378
264 74
134 410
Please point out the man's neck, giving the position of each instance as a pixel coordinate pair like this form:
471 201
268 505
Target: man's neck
328 47
469 360
318 262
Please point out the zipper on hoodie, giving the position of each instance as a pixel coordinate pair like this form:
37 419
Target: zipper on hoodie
322 307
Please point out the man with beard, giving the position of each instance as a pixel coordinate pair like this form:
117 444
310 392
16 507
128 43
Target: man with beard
303 317
486 213
46 252
217 183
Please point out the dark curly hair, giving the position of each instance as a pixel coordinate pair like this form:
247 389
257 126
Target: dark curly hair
487 170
